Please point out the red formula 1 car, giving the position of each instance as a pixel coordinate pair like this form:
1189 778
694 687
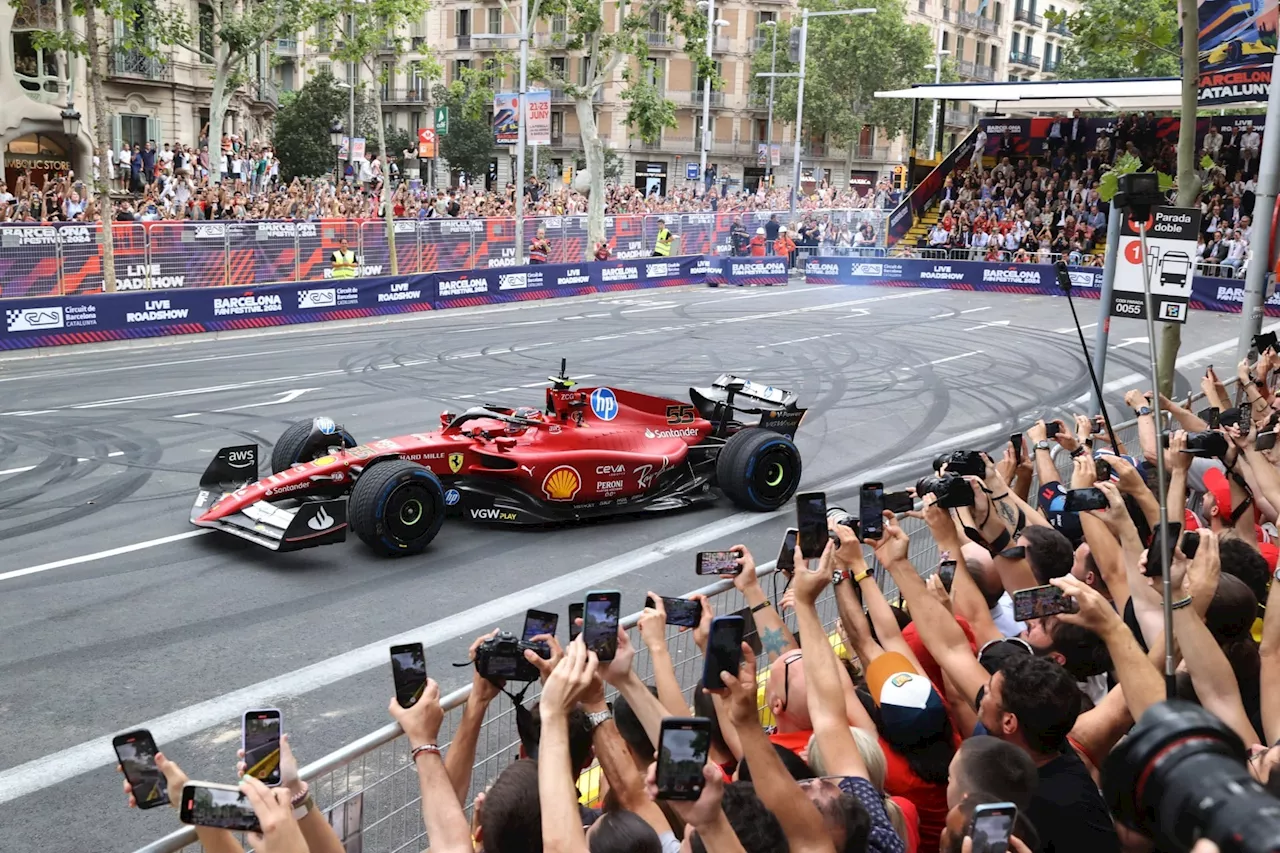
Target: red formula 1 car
592 452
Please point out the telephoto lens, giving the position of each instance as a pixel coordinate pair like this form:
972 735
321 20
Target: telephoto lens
1180 776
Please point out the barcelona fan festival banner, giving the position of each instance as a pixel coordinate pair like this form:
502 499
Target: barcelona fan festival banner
1237 47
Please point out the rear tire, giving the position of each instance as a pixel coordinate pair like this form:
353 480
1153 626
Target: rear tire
396 507
296 444
759 469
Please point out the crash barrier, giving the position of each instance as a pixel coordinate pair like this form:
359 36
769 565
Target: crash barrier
1209 294
99 317
369 788
66 259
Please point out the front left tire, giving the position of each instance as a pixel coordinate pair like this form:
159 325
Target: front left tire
759 469
396 507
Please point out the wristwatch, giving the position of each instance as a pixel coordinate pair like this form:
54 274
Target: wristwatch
597 718
1043 444
838 576
861 576
1145 410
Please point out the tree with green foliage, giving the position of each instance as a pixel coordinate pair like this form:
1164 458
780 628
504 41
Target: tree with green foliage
850 58
1097 30
301 136
468 146
1098 51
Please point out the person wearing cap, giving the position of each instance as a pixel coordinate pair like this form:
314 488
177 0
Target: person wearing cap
757 244
662 244
785 247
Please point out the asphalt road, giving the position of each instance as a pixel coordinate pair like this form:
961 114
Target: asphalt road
115 613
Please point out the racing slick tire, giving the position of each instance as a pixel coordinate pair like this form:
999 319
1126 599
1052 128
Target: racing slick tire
758 469
296 444
396 507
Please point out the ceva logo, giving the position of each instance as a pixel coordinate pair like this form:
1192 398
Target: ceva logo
604 403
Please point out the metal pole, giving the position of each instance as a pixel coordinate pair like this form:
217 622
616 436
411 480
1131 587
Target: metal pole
1104 301
768 148
1170 691
706 98
937 78
795 155
911 159
1255 281
351 119
520 134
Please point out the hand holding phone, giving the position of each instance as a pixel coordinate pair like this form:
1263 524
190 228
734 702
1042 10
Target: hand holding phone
811 522
538 622
218 806
1040 601
1081 500
724 650
575 620
602 610
683 745
786 562
1016 441
947 573
870 511
136 751
260 739
718 563
992 827
409 671
683 612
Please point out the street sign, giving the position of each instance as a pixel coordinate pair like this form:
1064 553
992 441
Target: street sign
426 143
1169 261
691 171
442 121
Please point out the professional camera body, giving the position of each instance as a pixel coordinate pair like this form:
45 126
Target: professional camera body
1208 443
1180 776
501 658
951 490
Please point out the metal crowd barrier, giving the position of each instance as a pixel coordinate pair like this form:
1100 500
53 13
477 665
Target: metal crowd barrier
371 787
66 259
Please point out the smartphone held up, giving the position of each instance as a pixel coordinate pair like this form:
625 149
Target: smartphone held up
683 745
601 612
260 739
136 752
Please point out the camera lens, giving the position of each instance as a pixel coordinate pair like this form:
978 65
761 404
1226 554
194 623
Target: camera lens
840 515
1180 776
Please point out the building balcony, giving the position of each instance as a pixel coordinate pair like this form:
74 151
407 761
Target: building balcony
1060 29
404 96
1050 65
1026 16
463 42
698 95
660 39
814 149
560 96
1018 57
131 62
287 47
417 44
977 22
722 44
946 14
266 92
550 39
878 153
571 141
974 71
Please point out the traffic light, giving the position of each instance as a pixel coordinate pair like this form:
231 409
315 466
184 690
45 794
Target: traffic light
900 178
793 44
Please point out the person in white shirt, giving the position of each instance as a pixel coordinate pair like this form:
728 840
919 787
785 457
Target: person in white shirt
1249 146
166 160
938 236
126 157
1213 143
1235 255
365 169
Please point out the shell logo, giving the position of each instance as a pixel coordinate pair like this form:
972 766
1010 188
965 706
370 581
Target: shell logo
562 483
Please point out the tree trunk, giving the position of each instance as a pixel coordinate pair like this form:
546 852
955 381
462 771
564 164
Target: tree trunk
388 216
594 151
218 103
1188 177
102 139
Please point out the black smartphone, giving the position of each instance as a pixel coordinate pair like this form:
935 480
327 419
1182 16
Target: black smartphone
1051 429
870 509
1079 500
575 614
1016 441
260 739
750 634
1211 416
680 611
992 827
136 752
538 622
811 521
1265 441
1266 340
409 669
947 572
787 553
1190 544
600 622
1103 469
683 744
724 649
1155 568
1014 552
898 503
1040 601
718 563
219 806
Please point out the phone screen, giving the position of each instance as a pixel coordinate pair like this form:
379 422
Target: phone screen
540 622
811 521
682 753
262 745
718 563
724 649
575 613
1051 429
899 502
136 752
220 806
870 509
600 623
1265 441
992 826
1041 601
1079 500
409 669
682 612
1016 441
787 554
1211 416
947 572
1155 568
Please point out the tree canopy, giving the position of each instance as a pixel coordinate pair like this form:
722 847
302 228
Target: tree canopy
301 135
1121 38
468 146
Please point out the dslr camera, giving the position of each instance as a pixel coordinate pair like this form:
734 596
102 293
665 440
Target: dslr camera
968 462
951 490
1181 775
1207 444
501 658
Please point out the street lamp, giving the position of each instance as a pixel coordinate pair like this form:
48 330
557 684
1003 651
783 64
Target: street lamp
71 122
773 67
523 117
713 23
804 43
351 122
335 139
936 65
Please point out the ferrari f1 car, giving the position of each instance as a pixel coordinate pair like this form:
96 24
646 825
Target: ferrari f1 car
591 452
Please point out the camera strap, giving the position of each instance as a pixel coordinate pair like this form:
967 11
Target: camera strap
1245 505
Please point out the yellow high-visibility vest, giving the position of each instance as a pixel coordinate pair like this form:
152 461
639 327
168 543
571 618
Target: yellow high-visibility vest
344 264
663 245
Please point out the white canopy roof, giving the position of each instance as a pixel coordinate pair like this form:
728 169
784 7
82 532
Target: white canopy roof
1161 94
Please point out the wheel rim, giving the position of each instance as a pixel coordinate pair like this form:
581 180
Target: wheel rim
775 474
407 516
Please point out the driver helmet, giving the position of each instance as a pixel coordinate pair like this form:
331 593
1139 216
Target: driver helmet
527 413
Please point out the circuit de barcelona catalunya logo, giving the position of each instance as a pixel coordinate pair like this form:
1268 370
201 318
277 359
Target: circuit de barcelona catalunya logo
604 403
34 319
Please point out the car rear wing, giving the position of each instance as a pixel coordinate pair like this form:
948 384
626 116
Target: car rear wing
728 394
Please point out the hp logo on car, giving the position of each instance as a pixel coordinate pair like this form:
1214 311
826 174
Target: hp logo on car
451 497
604 404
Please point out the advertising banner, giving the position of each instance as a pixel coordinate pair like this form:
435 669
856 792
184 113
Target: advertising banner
1237 47
506 118
538 113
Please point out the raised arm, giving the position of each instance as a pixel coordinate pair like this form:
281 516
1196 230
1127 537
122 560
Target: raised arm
653 631
569 681
461 757
1270 673
211 839
1103 544
775 639
1043 459
441 812
967 599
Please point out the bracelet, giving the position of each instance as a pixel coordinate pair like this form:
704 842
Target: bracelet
299 812
859 578
302 795
429 748
1178 605
761 606
999 497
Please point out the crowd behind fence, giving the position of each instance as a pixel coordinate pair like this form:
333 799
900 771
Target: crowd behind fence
66 260
374 776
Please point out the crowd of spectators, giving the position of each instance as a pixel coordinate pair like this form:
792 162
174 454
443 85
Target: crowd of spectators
888 731
1037 209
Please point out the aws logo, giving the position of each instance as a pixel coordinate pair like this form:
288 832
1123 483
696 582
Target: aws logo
562 483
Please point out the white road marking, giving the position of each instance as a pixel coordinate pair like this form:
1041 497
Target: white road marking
28 414
26 468
943 314
1127 341
102 555
517 387
664 306
55 768
800 340
985 325
1073 328
187 392
975 310
285 397
954 357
